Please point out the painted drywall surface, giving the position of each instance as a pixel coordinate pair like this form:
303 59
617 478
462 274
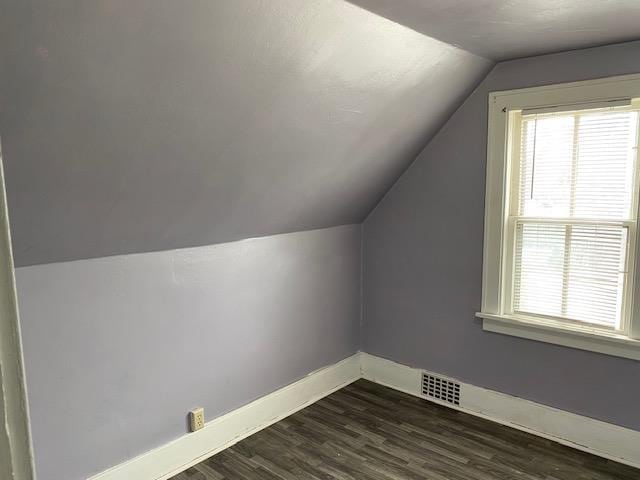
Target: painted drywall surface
118 349
423 261
500 30
136 126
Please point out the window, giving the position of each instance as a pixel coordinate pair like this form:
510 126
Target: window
561 215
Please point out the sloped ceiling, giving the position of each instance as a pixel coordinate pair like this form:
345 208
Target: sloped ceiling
503 29
140 125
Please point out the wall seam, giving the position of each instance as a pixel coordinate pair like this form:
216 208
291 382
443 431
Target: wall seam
437 132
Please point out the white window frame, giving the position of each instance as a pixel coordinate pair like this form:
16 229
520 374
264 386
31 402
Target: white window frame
16 458
497 257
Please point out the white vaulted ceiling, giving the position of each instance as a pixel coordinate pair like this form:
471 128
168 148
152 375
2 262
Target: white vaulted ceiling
504 29
141 125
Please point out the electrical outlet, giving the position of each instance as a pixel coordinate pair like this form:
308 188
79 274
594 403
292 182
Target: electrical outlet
196 419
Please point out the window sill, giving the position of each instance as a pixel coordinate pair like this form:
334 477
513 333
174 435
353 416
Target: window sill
550 332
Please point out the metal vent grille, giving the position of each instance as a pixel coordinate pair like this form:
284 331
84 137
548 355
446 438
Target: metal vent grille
440 389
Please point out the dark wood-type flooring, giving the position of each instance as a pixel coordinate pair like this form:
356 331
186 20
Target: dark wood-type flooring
369 432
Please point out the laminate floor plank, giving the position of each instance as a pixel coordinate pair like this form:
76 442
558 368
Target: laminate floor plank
369 432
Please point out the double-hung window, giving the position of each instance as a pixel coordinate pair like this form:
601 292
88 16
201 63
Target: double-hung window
560 248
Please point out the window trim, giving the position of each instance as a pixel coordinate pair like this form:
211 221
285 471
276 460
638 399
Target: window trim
496 264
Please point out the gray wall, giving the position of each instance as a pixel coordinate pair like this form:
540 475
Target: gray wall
118 349
145 125
423 260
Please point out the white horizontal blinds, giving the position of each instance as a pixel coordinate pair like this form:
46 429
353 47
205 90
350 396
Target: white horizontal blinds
539 269
570 271
595 274
604 168
546 158
577 165
574 205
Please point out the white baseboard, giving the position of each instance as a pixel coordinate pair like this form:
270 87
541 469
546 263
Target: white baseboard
175 457
583 433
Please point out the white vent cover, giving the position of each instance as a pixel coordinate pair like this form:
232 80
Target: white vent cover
440 388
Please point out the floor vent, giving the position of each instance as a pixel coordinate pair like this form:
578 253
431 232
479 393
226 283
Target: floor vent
440 389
